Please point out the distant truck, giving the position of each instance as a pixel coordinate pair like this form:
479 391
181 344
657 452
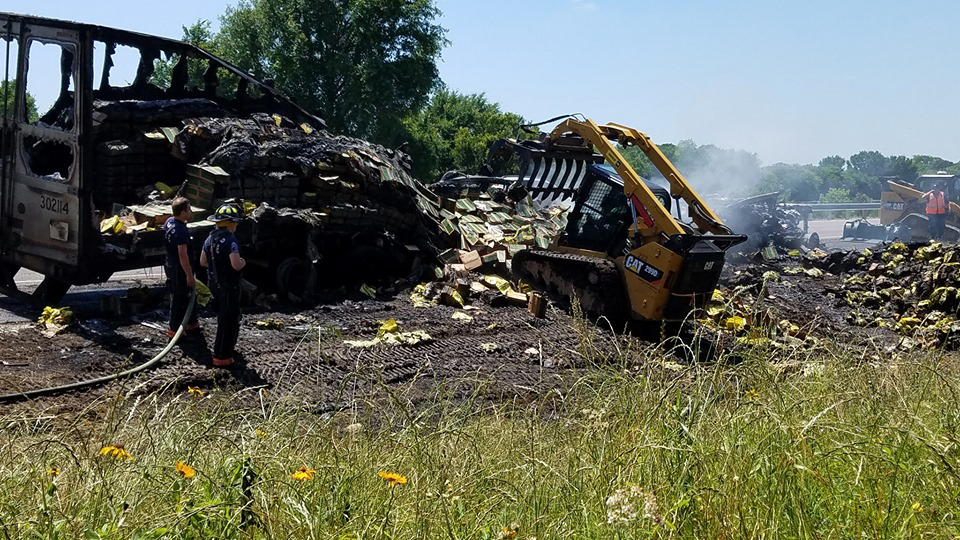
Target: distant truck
104 138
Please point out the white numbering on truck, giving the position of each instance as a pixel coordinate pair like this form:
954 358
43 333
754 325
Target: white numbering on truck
52 204
642 269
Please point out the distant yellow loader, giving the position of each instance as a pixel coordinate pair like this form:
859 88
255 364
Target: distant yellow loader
902 209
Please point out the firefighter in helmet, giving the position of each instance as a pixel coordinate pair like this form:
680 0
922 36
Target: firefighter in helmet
221 256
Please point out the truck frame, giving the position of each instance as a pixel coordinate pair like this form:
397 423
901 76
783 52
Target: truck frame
51 195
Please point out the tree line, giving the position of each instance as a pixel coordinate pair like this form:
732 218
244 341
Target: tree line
858 177
369 68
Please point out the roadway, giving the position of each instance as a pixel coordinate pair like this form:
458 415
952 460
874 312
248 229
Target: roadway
831 232
85 298
28 280
828 229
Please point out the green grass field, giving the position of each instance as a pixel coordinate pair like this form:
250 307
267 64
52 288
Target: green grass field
777 446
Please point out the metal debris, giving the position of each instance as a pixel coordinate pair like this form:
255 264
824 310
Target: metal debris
772 228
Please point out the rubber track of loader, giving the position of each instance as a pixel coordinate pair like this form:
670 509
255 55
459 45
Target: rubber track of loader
563 275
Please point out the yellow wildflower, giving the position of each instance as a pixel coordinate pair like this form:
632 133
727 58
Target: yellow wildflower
509 533
195 391
752 394
917 507
393 478
304 474
53 471
116 451
260 433
185 470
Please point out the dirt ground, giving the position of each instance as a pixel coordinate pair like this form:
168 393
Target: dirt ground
811 303
502 353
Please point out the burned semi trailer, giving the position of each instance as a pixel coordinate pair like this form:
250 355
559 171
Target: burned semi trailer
197 124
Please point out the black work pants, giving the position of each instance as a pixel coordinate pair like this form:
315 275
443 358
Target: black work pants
228 320
179 297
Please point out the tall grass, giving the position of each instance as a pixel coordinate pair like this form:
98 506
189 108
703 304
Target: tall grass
807 444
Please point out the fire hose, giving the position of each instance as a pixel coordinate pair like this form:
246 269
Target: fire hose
17 396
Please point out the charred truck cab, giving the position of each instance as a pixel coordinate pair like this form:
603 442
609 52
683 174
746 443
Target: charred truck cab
56 182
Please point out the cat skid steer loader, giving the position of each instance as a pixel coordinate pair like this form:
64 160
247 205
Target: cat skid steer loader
622 254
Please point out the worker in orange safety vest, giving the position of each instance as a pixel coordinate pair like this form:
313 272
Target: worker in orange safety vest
936 210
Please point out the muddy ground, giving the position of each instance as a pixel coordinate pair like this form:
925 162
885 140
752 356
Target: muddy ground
502 353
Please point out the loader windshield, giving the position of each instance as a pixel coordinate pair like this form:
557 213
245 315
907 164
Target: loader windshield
599 218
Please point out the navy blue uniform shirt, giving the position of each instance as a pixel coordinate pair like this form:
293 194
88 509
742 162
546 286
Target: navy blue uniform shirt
175 234
218 247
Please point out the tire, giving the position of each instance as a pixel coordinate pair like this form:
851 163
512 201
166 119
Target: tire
295 278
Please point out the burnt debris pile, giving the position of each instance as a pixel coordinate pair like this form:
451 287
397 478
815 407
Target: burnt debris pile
352 185
907 295
772 228
133 143
324 208
913 289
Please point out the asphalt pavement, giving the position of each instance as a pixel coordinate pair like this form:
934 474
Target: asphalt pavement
81 297
831 232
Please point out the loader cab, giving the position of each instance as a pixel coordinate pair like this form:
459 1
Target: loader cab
601 213
927 182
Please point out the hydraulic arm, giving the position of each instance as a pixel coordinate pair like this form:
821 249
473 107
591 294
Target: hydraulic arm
641 262
655 219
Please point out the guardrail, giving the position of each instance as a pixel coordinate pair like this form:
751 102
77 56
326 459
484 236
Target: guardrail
826 207
808 209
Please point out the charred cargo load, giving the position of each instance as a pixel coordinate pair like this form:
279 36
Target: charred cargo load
85 184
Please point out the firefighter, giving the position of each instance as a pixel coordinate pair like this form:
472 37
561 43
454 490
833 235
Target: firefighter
936 210
179 266
221 256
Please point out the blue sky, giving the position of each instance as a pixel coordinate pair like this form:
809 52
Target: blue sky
791 81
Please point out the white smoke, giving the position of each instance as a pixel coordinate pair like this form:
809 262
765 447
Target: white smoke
718 172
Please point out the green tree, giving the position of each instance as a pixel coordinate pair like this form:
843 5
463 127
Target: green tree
454 132
870 163
836 195
637 159
8 98
794 182
198 34
931 164
363 65
862 185
833 161
831 172
903 168
672 151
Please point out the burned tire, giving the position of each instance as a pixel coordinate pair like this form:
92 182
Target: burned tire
295 278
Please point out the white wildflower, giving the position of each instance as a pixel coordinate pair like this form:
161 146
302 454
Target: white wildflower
624 506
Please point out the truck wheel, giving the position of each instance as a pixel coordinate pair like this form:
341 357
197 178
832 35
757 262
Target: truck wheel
296 278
